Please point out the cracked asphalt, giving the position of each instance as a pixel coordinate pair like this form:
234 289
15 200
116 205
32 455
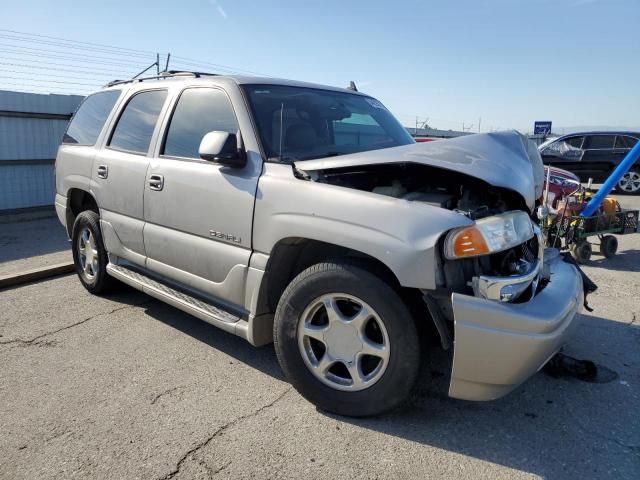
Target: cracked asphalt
123 386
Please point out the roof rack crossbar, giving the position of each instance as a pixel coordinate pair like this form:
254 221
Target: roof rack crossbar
163 75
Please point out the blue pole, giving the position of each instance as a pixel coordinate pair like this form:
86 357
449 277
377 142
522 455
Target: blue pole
614 178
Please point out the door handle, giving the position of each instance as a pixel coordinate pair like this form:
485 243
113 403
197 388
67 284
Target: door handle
156 182
103 171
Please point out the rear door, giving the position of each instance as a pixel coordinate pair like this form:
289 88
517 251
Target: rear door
199 214
599 157
120 170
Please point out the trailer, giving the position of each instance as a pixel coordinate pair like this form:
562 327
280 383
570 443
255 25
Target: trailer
578 234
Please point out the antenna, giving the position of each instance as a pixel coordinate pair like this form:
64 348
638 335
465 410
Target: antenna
352 86
154 64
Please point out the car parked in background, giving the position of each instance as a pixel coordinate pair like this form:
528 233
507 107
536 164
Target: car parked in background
561 184
594 155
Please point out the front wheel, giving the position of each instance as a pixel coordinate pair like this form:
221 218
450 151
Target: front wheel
629 183
346 340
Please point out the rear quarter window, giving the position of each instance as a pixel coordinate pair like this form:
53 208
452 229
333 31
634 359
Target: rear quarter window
87 123
625 141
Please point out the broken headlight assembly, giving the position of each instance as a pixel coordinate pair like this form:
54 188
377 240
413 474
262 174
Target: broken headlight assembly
489 235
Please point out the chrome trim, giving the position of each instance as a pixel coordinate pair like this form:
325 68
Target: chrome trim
509 288
493 287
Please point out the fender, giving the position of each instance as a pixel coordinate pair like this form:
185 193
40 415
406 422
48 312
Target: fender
402 234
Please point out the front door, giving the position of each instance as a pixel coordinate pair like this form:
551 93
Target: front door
120 169
565 153
199 214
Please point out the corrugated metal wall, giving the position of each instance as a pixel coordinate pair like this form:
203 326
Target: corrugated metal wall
31 128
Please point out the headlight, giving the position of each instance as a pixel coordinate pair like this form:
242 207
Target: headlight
489 235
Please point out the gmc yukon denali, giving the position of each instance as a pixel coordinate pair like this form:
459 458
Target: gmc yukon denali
307 216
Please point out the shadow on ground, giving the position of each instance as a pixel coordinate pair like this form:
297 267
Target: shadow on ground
555 428
32 239
623 261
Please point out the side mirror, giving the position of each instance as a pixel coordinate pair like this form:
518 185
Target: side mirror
222 148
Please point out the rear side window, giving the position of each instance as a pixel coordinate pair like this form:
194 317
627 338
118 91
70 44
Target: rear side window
600 141
625 142
87 123
198 112
136 123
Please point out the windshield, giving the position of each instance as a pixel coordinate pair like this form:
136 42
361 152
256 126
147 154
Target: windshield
299 123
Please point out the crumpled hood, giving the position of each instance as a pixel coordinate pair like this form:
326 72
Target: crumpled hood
503 159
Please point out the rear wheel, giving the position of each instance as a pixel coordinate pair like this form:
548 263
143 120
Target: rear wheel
346 340
89 255
608 246
629 183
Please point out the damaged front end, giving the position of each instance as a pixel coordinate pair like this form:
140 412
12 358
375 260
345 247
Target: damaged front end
504 302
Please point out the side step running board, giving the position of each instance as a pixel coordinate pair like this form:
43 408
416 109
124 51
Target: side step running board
183 301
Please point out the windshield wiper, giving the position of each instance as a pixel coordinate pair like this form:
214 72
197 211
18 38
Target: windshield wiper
324 155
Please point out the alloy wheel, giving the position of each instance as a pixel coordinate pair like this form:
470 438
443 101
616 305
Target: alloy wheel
343 342
88 253
630 182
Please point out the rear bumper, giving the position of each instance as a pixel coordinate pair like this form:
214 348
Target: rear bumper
499 345
61 210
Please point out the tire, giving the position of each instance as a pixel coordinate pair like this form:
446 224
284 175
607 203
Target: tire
629 183
89 255
581 251
608 246
374 384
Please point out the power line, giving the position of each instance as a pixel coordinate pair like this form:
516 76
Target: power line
45 86
38 61
59 69
60 39
69 45
77 58
186 60
99 75
26 37
56 81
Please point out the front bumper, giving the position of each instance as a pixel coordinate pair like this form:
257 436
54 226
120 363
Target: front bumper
499 345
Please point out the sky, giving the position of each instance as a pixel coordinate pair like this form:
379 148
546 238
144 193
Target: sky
508 62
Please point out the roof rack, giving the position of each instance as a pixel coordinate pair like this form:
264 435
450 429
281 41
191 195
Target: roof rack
163 75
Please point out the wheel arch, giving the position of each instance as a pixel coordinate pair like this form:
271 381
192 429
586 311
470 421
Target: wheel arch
292 255
79 200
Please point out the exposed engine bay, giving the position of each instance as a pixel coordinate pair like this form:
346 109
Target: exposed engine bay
451 190
434 186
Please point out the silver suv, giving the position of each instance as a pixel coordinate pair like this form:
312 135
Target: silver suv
306 216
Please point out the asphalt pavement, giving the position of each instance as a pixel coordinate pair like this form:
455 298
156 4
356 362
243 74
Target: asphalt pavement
124 386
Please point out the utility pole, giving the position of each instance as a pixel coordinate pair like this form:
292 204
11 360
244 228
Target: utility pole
415 133
479 122
158 64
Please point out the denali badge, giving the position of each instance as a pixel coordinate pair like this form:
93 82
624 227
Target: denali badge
225 236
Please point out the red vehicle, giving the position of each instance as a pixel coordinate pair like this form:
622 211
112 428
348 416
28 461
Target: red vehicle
424 139
561 184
